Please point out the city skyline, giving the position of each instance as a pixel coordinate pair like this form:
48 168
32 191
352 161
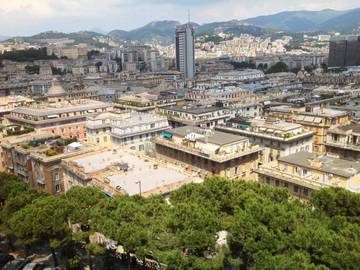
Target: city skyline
76 15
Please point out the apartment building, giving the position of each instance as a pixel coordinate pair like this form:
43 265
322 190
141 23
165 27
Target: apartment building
36 158
304 172
145 102
344 142
65 118
277 138
124 128
195 115
240 76
208 152
318 120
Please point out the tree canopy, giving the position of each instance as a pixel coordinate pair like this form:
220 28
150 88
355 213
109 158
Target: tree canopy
27 55
266 228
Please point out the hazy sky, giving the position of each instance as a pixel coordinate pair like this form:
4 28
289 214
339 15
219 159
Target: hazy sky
24 17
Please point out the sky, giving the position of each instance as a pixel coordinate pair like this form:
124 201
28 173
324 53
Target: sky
27 17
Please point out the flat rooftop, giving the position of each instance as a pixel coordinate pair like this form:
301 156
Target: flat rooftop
45 109
214 136
106 164
194 109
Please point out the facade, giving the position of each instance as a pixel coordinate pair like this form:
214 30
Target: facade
66 118
277 138
193 115
344 51
9 103
237 76
226 93
185 50
303 172
124 128
344 142
208 152
318 120
36 158
145 102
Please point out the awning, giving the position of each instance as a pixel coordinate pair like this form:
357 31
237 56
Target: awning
166 134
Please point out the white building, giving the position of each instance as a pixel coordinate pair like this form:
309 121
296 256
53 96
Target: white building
124 128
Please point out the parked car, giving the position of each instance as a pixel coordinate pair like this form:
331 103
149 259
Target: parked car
34 266
17 264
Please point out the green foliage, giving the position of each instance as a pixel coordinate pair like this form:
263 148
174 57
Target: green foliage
27 55
267 228
278 67
242 65
32 69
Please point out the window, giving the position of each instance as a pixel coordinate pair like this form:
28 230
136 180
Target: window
57 188
296 188
268 180
277 183
236 170
306 192
56 176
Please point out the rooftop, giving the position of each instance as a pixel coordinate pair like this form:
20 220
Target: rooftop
122 171
336 166
45 109
214 137
194 109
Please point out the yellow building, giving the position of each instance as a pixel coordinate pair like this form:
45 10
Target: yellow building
344 142
303 172
318 120
208 152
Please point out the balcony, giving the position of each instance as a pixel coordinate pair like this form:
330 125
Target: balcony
309 181
347 146
220 157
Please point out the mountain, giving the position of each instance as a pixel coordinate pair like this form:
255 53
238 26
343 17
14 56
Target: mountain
91 38
157 31
309 21
2 38
234 27
347 22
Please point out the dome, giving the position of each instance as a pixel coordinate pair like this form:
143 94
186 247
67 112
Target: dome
56 89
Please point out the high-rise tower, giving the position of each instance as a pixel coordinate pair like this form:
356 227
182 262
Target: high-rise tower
185 50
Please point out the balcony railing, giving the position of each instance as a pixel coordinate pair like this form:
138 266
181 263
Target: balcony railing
309 181
220 157
348 146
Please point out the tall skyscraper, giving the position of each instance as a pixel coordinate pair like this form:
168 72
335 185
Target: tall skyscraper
344 51
185 50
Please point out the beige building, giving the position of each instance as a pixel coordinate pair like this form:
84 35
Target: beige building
303 172
193 115
318 120
344 142
277 138
208 152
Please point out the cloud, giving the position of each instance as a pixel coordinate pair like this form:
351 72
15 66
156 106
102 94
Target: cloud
24 17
